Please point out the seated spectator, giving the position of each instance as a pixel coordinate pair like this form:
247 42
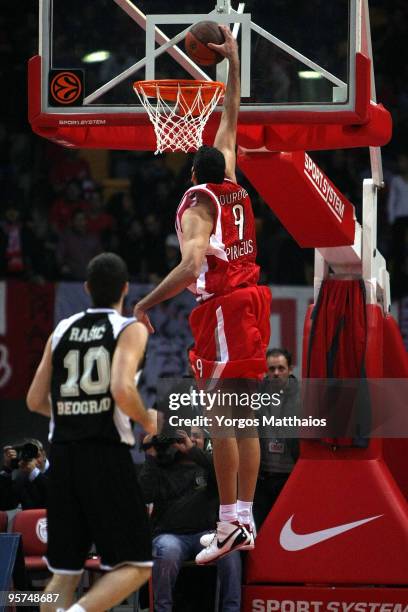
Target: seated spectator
171 253
40 247
154 247
100 222
64 207
23 476
178 478
122 208
76 248
278 455
397 206
67 165
11 242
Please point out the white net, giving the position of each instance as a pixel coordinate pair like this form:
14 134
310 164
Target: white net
179 123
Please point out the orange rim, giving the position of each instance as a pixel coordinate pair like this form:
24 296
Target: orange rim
169 88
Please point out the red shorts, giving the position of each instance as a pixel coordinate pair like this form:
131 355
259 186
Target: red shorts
231 334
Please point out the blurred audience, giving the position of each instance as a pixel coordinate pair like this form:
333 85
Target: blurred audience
24 476
397 208
77 246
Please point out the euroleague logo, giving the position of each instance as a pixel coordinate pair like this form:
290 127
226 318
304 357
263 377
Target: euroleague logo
66 87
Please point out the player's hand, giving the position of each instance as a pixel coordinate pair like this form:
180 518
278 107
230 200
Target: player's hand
149 423
184 443
142 317
229 47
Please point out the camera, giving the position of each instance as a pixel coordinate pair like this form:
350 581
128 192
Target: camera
163 445
161 441
25 452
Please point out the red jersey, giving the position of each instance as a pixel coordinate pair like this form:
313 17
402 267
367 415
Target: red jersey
230 257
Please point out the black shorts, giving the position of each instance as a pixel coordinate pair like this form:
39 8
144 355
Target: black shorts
94 498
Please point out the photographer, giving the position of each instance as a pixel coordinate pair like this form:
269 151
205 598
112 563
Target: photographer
178 478
23 477
278 454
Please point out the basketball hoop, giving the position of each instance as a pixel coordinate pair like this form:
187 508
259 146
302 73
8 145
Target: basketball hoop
179 126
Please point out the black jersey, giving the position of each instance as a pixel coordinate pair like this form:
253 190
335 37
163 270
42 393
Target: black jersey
83 407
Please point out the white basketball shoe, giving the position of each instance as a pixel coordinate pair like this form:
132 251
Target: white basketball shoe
227 538
207 538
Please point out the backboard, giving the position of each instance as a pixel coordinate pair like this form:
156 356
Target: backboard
306 72
295 56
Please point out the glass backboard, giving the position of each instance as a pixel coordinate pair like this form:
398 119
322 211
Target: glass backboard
294 55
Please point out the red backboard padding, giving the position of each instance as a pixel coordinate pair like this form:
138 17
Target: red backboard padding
308 136
370 125
307 203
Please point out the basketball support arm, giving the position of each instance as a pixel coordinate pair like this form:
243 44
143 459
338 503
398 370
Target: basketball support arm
319 216
360 260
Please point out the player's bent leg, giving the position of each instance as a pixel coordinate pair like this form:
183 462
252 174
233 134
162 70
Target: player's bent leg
114 587
64 586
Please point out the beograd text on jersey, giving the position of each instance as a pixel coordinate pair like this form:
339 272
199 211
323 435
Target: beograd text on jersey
84 407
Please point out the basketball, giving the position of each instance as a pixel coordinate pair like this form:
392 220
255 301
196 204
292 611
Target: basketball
197 38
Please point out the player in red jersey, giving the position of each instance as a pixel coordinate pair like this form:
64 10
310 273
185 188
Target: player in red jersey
216 230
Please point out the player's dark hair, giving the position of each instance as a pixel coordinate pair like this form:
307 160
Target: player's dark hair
276 352
209 165
106 275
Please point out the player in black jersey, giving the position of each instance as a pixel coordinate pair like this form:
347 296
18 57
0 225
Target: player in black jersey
86 384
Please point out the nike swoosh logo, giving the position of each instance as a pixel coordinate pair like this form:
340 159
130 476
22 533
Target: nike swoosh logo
291 541
221 544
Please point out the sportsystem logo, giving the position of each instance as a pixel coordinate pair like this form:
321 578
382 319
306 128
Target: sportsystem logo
324 188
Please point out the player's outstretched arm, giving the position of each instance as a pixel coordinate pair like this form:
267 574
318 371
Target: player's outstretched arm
38 396
197 225
128 355
226 136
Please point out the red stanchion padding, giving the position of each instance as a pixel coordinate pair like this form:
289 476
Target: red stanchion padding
395 353
307 326
395 366
339 332
311 598
307 203
335 522
339 335
374 360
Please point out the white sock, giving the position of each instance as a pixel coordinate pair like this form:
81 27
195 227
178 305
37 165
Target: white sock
244 511
76 608
228 513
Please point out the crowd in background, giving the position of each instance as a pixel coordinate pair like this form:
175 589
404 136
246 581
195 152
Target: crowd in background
55 216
